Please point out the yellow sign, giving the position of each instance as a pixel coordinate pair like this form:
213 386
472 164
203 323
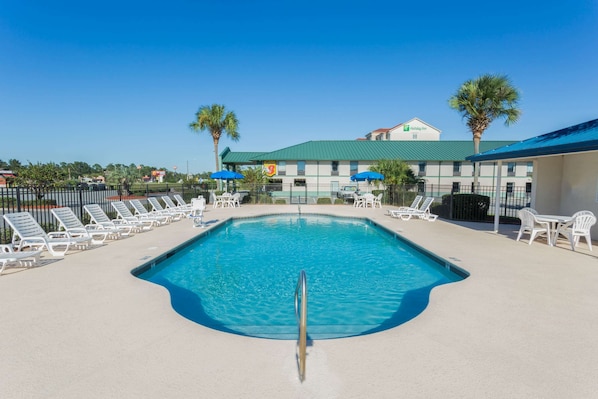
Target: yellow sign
270 168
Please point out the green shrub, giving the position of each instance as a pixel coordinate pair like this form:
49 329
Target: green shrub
324 201
339 201
280 201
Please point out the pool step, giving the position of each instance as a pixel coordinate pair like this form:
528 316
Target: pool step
287 332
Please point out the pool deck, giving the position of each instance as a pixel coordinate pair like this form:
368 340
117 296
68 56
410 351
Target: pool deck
523 325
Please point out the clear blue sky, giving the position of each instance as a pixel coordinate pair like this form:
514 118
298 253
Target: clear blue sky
120 81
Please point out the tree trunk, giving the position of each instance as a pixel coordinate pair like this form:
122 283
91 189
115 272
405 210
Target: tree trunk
216 158
476 150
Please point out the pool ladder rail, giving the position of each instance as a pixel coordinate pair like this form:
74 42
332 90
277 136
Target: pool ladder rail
301 315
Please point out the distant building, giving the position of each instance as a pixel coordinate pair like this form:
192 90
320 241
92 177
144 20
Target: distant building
4 176
414 129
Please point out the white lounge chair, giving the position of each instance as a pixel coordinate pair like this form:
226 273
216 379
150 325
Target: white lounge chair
70 222
28 233
181 202
414 206
23 258
423 212
99 217
125 214
579 226
176 215
530 225
171 205
142 212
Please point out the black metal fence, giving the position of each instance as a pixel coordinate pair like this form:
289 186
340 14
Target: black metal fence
448 204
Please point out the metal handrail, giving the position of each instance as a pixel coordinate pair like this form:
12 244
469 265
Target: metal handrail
301 316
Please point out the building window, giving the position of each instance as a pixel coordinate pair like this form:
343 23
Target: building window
530 168
511 169
421 187
274 185
301 168
456 187
299 183
353 167
421 168
528 188
282 168
456 168
510 187
334 168
414 136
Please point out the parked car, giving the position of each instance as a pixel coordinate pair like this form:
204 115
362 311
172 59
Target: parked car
347 192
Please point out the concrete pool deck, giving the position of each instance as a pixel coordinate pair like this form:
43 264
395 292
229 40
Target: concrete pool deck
523 325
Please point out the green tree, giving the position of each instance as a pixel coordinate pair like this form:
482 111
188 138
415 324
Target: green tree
217 121
395 171
254 176
480 101
39 177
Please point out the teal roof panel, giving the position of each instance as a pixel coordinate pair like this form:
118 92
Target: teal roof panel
365 150
577 138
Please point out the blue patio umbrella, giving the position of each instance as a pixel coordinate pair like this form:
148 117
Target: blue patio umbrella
226 175
368 176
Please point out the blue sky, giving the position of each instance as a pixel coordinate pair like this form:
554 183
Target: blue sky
120 81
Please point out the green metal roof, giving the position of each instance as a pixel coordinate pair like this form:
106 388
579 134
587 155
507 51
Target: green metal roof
240 157
366 150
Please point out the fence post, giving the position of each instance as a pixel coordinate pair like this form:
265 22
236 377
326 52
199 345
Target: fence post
451 204
81 203
18 199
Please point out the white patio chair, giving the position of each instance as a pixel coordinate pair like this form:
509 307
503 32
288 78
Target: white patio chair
378 201
198 206
358 201
579 227
234 201
368 200
69 222
28 233
530 225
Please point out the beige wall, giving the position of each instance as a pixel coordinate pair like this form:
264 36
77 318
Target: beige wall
567 184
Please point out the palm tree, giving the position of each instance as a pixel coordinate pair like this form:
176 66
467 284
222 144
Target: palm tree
480 101
215 119
395 171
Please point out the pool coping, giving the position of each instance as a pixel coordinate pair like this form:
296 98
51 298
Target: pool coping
521 325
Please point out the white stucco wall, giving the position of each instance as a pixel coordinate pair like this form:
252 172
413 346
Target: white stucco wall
579 186
414 130
549 178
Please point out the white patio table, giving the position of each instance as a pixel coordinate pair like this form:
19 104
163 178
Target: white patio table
555 221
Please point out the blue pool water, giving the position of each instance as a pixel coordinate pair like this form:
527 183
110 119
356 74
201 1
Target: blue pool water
241 277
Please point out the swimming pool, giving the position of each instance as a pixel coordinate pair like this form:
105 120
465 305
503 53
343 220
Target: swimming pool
241 277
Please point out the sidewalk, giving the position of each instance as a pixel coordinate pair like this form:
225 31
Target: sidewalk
523 325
